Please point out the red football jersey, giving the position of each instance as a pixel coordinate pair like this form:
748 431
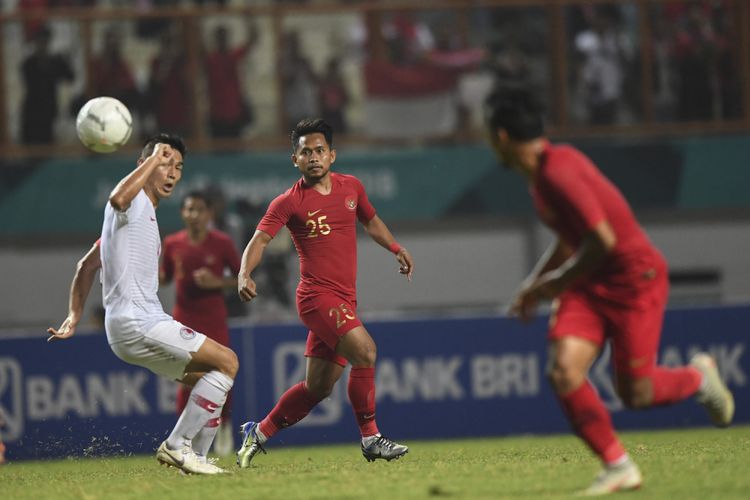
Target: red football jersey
572 197
200 309
324 231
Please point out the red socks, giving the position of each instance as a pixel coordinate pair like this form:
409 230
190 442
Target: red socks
361 392
671 385
297 402
292 407
592 422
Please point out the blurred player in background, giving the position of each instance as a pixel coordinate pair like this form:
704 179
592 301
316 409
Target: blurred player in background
321 211
196 258
609 283
138 330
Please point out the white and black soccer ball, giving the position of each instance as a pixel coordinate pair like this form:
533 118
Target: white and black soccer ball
104 124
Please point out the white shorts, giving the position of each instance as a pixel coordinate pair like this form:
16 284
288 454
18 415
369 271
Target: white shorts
165 350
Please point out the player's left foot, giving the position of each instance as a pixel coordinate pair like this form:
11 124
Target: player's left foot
251 444
713 393
382 447
624 477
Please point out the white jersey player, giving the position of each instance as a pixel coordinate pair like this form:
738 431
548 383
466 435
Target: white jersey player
138 330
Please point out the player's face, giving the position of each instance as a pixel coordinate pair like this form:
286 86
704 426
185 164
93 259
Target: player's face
166 175
313 156
195 214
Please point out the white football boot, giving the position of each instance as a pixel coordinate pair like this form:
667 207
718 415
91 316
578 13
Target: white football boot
713 394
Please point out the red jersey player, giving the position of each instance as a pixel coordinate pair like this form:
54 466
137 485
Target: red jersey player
609 284
196 258
321 211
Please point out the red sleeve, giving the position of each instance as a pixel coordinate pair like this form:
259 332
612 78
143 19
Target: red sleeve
167 260
278 214
573 197
365 210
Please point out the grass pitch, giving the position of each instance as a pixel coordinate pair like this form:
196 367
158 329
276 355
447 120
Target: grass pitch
694 463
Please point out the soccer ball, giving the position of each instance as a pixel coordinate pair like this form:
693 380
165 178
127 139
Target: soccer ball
104 124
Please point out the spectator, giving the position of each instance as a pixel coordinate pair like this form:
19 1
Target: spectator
112 75
41 73
229 110
300 83
169 89
606 54
334 96
695 50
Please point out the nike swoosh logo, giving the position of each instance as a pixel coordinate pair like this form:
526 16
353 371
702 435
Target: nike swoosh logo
310 214
152 218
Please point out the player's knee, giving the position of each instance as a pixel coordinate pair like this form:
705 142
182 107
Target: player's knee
366 356
564 377
230 363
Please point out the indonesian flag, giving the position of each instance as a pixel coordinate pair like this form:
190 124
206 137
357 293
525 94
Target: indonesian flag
415 100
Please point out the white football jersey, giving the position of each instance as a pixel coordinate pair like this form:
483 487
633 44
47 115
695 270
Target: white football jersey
130 248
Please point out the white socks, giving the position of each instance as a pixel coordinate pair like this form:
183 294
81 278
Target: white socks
206 400
205 437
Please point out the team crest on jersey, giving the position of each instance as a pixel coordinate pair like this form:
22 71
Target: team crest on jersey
187 333
210 259
350 202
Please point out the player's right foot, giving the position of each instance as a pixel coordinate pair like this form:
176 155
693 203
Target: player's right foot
622 477
186 460
713 393
251 444
382 447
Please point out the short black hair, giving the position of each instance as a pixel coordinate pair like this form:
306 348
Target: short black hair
198 195
173 140
311 126
516 109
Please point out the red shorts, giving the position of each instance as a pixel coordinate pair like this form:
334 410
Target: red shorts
634 326
329 318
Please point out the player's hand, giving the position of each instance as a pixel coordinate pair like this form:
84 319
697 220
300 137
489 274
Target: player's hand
524 304
206 279
163 152
246 288
66 330
406 263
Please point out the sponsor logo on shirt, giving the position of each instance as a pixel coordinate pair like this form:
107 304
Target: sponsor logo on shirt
310 214
350 202
187 333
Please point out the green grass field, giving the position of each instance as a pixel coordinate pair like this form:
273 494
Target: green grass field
695 463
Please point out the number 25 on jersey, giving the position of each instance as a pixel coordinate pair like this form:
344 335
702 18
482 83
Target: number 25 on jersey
317 226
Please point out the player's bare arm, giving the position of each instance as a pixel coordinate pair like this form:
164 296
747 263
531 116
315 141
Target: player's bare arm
122 195
592 252
250 260
79 291
379 232
524 303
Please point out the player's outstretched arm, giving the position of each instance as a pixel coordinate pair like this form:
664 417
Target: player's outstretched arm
79 291
127 189
250 260
379 232
549 284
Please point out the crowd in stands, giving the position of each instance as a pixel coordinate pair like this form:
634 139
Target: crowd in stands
423 82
